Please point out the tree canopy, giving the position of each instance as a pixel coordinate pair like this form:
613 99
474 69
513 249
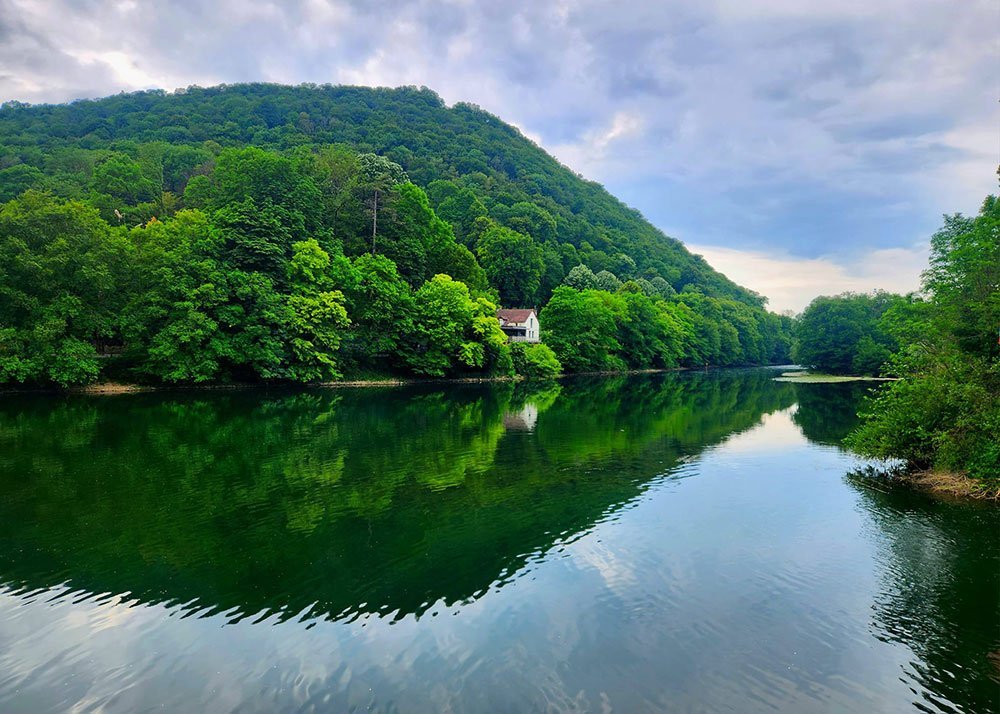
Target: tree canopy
266 233
844 335
944 412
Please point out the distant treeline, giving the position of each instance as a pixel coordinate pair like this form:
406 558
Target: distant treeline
166 261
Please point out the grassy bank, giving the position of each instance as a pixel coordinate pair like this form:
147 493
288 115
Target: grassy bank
945 483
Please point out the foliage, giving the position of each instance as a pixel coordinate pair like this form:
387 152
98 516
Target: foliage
452 331
534 360
493 169
318 317
595 330
258 232
607 281
843 334
381 306
944 412
513 264
61 268
581 278
580 328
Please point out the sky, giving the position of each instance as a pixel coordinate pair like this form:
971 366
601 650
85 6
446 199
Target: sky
802 147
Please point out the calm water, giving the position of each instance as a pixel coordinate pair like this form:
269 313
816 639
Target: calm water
684 542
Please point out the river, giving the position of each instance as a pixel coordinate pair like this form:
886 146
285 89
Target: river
680 542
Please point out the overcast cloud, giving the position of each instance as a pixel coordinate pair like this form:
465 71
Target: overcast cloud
775 137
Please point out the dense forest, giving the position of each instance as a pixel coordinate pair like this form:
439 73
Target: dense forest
263 232
942 343
845 334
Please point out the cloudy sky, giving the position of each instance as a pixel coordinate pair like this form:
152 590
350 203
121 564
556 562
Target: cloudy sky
803 147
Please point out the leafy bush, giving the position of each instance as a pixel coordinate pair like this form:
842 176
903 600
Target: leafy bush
535 360
949 419
944 412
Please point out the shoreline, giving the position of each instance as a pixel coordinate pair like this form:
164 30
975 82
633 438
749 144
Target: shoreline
115 388
952 485
944 485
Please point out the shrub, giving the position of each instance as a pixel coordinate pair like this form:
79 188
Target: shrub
535 360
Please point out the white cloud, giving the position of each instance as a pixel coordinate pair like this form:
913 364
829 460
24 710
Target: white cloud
124 69
591 153
791 283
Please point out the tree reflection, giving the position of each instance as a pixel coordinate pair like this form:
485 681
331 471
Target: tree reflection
828 412
339 501
939 585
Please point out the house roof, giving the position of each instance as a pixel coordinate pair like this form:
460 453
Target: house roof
515 315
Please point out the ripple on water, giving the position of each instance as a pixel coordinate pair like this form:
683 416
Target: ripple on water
679 542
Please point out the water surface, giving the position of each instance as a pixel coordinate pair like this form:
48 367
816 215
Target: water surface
685 542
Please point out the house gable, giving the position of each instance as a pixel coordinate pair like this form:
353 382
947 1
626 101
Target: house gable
520 324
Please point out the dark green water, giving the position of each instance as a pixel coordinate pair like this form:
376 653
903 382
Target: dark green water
655 543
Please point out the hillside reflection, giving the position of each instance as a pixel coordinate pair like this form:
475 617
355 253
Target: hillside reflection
339 502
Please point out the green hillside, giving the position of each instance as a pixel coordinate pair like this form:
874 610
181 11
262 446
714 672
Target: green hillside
413 127
272 232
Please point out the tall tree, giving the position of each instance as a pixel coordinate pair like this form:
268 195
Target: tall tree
513 263
376 176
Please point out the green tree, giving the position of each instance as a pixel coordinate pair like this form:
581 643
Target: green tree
528 219
376 177
422 245
513 264
317 318
15 180
944 412
964 278
381 306
580 328
608 281
648 334
457 205
271 182
452 331
581 278
535 360
63 282
255 238
832 329
170 324
123 179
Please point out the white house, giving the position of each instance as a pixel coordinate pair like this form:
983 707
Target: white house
519 325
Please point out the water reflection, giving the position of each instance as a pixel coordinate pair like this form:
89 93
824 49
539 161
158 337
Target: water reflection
828 412
337 502
939 591
682 542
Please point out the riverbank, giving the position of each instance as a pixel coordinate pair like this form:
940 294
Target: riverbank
943 484
113 388
118 388
956 485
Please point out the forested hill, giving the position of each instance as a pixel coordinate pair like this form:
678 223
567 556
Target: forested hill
469 162
262 233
